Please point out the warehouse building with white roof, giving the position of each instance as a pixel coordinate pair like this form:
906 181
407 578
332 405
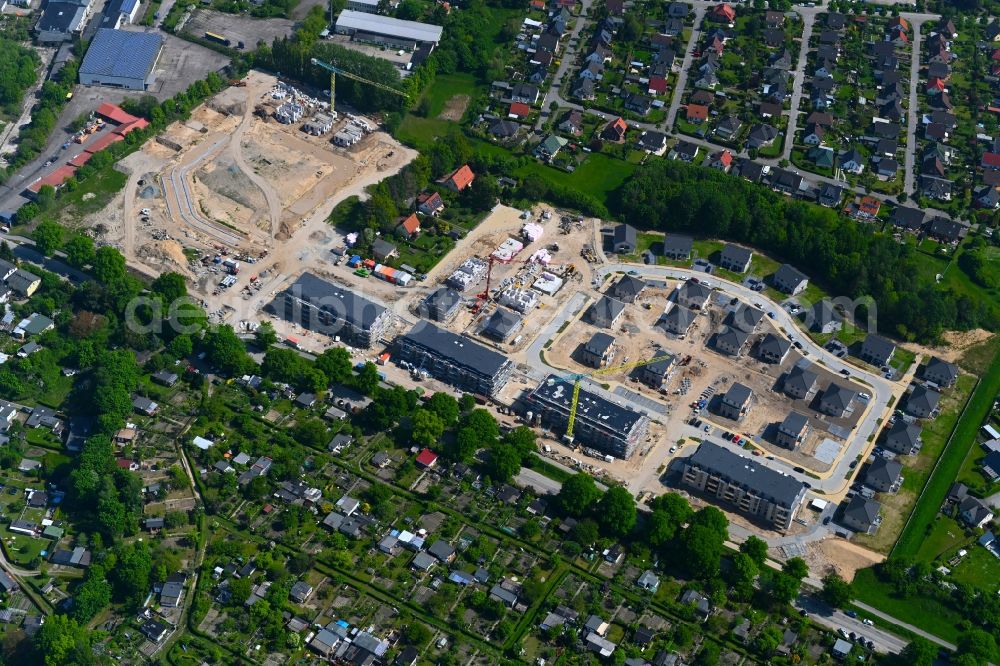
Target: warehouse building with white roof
387 31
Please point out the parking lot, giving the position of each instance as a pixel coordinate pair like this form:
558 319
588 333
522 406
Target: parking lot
237 28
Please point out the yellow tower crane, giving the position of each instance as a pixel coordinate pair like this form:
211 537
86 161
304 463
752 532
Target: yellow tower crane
578 378
334 71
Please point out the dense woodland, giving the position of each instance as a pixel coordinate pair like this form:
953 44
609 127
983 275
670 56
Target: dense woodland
845 257
18 65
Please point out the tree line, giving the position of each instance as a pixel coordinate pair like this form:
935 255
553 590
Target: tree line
844 257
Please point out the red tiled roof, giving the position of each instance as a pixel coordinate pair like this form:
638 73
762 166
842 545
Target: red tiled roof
55 179
901 22
115 114
991 159
104 142
869 206
80 159
125 128
697 112
461 177
411 224
657 84
520 109
430 199
935 84
426 458
726 158
724 11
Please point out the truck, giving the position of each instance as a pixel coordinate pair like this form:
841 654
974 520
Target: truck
232 266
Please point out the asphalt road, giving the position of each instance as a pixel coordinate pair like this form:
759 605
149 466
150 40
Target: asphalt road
699 15
912 113
831 618
798 82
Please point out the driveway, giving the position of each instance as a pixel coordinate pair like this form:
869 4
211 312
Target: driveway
675 103
912 113
568 60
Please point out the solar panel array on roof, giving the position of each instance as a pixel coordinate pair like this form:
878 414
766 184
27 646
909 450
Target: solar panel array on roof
115 55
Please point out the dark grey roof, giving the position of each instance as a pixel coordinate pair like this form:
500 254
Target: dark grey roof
941 367
60 16
625 233
774 345
839 396
599 343
614 416
607 308
441 549
738 394
457 349
353 308
883 471
441 302
695 291
677 244
924 398
502 324
802 378
745 471
789 274
661 366
907 433
745 318
824 313
679 316
864 511
731 337
794 423
878 346
630 285
382 247
122 53
736 254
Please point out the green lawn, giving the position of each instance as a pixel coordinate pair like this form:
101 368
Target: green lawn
447 86
946 537
962 440
421 131
103 185
599 175
979 567
926 613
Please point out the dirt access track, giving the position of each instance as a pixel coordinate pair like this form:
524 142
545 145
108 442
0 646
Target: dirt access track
232 177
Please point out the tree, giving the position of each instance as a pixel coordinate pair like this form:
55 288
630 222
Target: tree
47 237
523 439
367 379
426 427
463 447
335 363
743 570
170 287
504 463
61 641
131 574
713 519
631 29
836 591
311 432
796 567
918 652
616 513
226 351
709 654
417 633
768 640
585 532
482 194
977 646
484 424
577 495
444 406
79 250
782 588
265 335
701 551
756 548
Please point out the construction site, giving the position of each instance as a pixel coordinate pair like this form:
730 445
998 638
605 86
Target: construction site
237 197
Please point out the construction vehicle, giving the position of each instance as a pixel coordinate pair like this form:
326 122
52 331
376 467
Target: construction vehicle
577 379
238 83
334 71
485 296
